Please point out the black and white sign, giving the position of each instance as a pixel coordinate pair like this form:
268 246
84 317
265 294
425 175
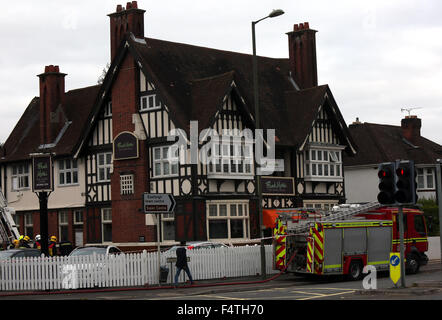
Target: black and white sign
158 203
42 173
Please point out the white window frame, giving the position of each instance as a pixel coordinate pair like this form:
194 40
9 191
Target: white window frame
106 221
29 224
167 218
127 184
425 179
68 167
325 205
63 222
228 216
149 102
106 166
323 163
75 214
20 177
230 158
165 157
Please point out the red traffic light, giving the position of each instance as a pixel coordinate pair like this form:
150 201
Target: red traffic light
384 173
402 172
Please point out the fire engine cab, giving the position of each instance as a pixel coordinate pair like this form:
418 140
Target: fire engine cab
344 241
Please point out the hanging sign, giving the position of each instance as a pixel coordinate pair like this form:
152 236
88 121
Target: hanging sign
42 179
125 146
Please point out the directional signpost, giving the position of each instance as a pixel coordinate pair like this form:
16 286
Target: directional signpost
158 203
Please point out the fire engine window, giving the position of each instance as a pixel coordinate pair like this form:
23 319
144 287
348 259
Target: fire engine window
419 225
405 223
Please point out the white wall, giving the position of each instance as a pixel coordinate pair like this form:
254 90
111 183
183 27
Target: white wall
62 197
361 184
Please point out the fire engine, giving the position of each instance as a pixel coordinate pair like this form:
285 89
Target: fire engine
8 229
347 238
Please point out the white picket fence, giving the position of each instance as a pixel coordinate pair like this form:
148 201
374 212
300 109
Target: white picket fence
127 270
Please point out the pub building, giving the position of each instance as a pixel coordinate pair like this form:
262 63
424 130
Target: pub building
109 142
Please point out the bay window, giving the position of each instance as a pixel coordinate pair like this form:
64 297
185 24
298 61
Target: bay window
323 164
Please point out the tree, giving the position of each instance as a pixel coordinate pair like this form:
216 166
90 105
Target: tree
103 74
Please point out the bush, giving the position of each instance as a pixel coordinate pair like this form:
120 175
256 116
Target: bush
431 214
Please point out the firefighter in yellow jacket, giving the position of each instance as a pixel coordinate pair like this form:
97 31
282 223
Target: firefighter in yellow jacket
52 247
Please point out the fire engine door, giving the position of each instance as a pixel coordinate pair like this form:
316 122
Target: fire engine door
332 250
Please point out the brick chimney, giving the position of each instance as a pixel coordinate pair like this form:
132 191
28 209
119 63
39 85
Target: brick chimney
411 128
302 55
124 20
52 93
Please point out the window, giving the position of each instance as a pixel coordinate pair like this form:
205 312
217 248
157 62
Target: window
78 227
63 225
149 102
168 226
323 165
20 177
104 166
67 172
425 178
228 220
29 225
127 184
106 223
165 161
233 158
327 206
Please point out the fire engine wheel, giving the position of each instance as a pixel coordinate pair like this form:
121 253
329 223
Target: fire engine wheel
355 270
412 264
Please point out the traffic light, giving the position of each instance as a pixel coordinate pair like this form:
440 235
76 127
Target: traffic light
405 183
387 186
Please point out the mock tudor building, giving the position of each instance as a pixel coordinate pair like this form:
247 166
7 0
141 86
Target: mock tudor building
110 141
379 143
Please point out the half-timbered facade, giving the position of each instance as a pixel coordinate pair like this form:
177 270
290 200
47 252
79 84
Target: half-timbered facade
179 119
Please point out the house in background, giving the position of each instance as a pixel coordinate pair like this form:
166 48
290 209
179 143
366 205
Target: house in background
379 143
109 141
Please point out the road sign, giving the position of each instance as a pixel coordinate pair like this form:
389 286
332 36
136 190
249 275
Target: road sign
395 266
158 203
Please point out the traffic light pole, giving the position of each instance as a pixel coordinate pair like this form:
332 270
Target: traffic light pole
401 244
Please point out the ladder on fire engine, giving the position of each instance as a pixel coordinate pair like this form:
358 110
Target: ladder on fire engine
8 229
338 213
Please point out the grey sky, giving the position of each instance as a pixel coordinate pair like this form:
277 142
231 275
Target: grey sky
377 57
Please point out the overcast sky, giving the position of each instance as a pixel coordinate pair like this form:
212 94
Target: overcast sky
378 57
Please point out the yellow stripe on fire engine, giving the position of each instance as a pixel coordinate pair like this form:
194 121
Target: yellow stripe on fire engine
358 224
319 243
396 241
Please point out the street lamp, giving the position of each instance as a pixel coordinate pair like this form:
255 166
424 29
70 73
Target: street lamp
272 14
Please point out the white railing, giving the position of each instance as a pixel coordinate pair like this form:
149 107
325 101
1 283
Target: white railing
130 269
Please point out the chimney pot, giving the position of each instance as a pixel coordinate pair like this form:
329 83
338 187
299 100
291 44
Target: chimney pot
295 27
306 25
128 6
119 8
134 5
301 26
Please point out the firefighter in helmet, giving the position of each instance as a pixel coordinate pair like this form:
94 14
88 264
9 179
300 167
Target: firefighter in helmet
15 244
24 242
37 244
52 247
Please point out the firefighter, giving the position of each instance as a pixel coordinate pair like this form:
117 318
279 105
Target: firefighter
52 247
37 244
24 242
15 244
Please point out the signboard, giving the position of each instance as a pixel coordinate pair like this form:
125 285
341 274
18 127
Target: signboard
42 173
126 146
395 266
158 203
277 186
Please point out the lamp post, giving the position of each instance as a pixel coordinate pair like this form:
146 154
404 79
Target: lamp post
272 14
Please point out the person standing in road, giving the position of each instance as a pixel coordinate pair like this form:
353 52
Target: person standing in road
181 263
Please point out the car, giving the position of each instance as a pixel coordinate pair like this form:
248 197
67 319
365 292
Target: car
199 245
19 253
98 249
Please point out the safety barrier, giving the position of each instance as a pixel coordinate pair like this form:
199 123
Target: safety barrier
126 270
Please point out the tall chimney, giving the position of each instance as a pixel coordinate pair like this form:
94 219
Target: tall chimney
411 128
302 55
124 20
52 92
